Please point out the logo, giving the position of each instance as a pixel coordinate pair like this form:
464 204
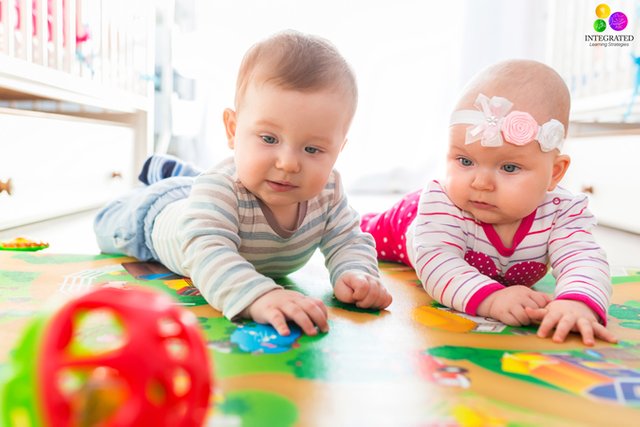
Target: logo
617 21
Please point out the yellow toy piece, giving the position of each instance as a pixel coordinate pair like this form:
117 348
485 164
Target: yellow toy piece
434 318
23 244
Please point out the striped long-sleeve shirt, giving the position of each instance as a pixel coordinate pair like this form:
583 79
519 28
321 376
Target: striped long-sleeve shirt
461 261
229 243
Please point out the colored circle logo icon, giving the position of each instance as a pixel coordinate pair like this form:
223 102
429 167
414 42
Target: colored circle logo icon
618 21
603 11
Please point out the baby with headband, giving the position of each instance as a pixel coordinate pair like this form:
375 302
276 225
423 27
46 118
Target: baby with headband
483 236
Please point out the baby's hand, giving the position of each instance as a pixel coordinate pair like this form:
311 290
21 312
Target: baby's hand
566 316
280 305
361 289
508 305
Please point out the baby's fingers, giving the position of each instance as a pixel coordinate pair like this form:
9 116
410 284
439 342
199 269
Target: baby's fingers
604 334
520 315
508 318
384 300
384 297
536 314
548 321
344 293
563 327
277 319
361 289
591 330
540 299
368 300
317 312
298 315
586 330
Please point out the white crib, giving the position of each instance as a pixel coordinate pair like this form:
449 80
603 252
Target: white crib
76 103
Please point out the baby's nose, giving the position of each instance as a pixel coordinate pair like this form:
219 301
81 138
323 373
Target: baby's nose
483 180
288 161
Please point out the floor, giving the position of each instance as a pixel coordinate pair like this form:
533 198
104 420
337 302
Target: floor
73 234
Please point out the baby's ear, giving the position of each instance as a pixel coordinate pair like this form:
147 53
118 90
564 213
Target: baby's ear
560 166
229 119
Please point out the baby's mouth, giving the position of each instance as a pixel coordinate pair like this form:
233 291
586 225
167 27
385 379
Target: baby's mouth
281 185
482 205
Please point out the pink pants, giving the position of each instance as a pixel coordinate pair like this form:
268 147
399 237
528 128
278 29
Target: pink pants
389 228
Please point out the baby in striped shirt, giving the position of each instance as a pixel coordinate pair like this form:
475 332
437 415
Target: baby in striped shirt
263 213
480 238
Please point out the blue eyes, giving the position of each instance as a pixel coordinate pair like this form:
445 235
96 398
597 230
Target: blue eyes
510 168
270 140
507 167
464 161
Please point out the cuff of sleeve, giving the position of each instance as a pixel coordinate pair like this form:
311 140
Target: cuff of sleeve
590 303
481 295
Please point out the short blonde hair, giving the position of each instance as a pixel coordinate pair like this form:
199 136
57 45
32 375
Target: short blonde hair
296 61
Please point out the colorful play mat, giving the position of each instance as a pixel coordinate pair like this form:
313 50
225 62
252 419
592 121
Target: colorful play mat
415 364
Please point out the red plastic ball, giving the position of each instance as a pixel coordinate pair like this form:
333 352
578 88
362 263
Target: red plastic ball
158 374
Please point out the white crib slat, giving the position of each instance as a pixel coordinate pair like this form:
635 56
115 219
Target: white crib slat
8 26
121 33
56 30
42 32
105 55
114 24
149 46
130 43
69 22
26 30
92 12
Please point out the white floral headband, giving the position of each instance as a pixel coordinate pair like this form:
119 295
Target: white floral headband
491 122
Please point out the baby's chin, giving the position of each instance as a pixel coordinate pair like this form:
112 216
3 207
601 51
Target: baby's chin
485 217
494 216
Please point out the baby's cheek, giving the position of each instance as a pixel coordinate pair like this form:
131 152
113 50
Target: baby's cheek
455 190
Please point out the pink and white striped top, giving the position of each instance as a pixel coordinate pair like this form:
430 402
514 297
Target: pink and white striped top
461 260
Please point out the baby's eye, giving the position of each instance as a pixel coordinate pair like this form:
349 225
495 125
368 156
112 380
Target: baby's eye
510 168
464 161
269 139
311 150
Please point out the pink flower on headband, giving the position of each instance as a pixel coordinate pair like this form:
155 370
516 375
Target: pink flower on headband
490 122
519 128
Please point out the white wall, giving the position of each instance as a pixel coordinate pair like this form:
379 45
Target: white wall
495 30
